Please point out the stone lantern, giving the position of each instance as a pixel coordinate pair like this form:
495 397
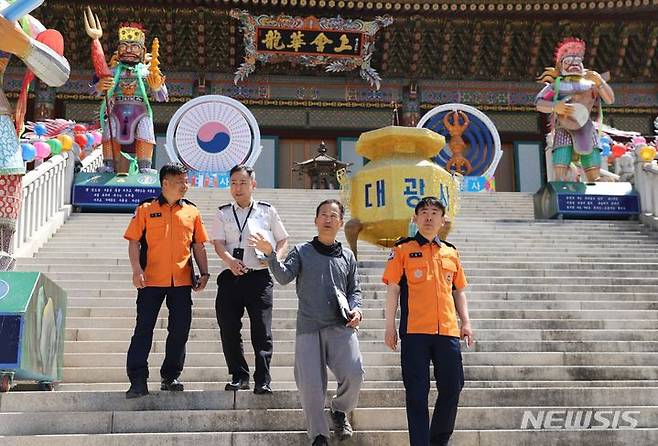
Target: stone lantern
321 169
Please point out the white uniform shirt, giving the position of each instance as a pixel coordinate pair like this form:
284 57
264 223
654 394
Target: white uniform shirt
263 218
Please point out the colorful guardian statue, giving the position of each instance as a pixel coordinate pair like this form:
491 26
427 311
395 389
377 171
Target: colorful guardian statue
570 93
126 115
40 49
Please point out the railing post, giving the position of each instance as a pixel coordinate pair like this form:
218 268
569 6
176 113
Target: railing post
641 185
653 185
68 178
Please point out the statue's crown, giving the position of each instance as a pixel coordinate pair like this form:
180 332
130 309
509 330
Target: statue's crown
570 46
131 32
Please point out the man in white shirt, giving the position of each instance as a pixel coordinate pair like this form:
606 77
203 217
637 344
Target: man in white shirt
245 283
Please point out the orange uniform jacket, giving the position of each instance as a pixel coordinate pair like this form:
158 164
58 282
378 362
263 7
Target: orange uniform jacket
166 234
427 273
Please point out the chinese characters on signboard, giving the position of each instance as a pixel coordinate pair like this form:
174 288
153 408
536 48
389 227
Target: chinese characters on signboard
337 44
309 42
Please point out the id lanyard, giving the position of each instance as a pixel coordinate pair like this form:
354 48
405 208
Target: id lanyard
237 221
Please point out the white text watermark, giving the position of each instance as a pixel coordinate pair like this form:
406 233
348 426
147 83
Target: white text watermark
580 419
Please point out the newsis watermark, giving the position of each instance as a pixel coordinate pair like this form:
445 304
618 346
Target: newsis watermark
596 419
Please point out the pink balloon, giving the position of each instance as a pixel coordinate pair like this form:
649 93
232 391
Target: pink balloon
98 138
43 150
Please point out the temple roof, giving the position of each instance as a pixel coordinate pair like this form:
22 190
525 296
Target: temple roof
497 40
636 8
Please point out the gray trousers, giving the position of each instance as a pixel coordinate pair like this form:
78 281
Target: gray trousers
336 347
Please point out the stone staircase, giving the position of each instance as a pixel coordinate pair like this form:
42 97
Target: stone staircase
565 313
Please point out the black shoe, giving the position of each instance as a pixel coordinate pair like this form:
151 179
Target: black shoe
239 384
263 389
137 390
320 440
342 426
174 385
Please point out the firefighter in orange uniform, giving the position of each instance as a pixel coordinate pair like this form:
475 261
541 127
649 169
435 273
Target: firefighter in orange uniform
426 276
163 234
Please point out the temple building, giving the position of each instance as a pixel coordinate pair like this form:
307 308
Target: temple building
482 53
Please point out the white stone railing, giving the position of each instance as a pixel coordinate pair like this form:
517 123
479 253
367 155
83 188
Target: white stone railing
646 183
47 200
92 161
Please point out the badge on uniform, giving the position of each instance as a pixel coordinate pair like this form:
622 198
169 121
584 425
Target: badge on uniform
415 254
157 214
391 255
418 273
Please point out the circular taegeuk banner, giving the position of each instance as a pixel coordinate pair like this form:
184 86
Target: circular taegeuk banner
481 136
213 133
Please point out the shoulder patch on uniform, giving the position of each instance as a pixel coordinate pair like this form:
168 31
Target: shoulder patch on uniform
391 255
402 240
449 244
415 254
224 206
265 203
186 201
147 200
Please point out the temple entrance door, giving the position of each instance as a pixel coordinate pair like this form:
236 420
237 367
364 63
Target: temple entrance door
505 171
297 150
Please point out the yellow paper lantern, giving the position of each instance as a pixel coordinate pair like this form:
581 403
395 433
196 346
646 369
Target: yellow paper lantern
67 142
647 153
383 194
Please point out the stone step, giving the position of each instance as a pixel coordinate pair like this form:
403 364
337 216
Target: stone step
286 359
493 256
367 282
375 274
368 324
122 282
459 236
606 437
478 310
301 208
286 306
154 385
147 421
560 347
287 298
565 312
97 401
365 267
301 232
392 373
117 245
630 334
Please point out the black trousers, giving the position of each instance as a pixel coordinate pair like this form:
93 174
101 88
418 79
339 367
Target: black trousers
418 350
253 292
149 301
